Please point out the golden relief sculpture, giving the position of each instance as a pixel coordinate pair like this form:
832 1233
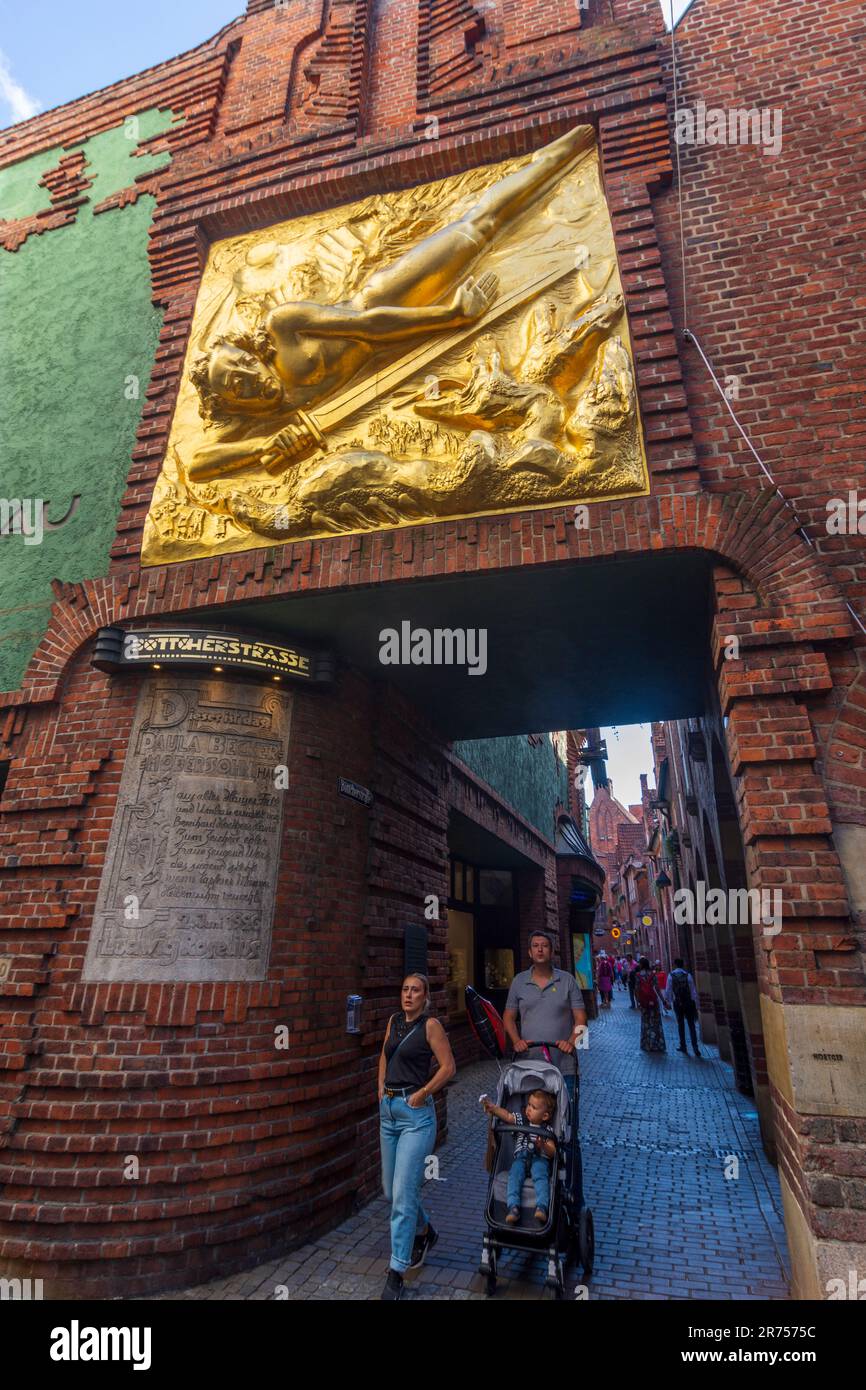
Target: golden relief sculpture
453 350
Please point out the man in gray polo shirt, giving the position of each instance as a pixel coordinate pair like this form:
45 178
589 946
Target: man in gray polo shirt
544 1004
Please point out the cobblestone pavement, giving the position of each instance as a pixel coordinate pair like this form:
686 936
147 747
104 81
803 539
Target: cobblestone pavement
658 1133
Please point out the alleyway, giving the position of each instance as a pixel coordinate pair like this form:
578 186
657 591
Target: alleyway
657 1132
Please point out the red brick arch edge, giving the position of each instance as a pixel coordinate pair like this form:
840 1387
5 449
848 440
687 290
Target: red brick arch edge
781 594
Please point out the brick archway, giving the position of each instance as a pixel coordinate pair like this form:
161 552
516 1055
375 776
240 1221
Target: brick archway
771 598
772 594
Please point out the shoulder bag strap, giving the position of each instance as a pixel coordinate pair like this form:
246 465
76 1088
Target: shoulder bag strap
411 1033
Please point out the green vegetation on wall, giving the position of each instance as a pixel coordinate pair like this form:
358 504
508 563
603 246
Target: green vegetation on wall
77 344
532 778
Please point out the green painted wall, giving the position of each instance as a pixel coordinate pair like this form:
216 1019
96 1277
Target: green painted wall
77 324
531 779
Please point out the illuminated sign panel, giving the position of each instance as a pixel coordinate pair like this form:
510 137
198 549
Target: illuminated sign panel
118 650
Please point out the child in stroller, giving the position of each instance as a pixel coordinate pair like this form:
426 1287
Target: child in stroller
564 1228
530 1151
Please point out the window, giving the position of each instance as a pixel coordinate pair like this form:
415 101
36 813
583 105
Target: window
469 884
495 888
461 956
483 933
462 882
458 882
4 773
498 968
582 956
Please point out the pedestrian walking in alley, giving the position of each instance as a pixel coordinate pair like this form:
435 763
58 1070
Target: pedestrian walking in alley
650 1003
605 979
631 971
407 1123
545 1005
681 990
620 973
661 976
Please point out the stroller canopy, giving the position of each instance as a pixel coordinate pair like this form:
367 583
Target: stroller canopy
521 1077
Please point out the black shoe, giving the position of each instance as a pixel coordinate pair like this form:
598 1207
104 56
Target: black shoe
423 1245
682 1049
393 1285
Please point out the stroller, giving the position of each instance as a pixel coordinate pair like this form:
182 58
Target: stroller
568 1232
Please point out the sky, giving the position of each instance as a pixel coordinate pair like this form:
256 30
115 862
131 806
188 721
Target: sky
52 51
677 8
629 754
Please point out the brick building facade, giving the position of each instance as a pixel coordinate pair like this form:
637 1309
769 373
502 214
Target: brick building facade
614 831
698 825
300 107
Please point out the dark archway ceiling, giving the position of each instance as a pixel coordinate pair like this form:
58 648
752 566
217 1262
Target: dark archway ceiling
570 645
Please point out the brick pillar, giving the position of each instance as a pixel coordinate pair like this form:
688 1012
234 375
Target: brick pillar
738 1047
703 983
731 1032
716 989
809 972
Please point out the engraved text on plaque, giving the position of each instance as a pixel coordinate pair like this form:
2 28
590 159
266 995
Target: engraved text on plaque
187 891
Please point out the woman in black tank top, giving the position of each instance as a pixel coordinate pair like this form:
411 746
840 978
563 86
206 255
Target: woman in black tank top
407 1122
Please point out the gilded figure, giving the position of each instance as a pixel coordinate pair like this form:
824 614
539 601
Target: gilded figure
485 367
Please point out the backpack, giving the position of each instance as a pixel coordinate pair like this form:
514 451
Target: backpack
682 993
646 995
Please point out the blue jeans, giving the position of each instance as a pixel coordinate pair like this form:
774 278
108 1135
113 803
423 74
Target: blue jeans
407 1138
540 1169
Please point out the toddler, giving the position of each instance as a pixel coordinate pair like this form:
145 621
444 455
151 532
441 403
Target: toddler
530 1150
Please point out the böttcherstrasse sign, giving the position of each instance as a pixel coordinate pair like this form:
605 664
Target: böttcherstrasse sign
118 649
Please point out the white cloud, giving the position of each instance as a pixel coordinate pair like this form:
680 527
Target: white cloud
21 104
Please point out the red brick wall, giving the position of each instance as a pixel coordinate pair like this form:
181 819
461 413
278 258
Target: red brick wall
232 1134
772 253
243 1147
773 262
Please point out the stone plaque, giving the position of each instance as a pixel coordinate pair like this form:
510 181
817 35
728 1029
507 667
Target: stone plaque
816 1056
187 892
827 1048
